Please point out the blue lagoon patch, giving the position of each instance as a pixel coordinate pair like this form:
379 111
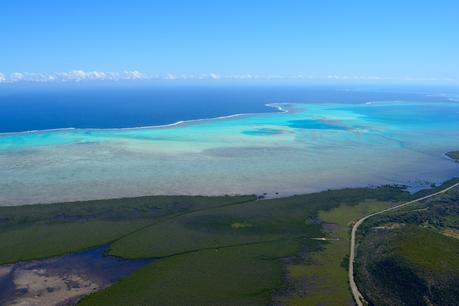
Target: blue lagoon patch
306 148
261 132
314 124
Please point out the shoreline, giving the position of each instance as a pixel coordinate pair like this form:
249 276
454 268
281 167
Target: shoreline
411 187
280 106
78 187
451 156
40 270
262 196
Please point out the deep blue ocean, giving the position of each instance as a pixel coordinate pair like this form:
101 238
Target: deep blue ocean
43 106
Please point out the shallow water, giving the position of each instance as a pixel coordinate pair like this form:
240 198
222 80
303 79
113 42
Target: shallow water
64 278
309 148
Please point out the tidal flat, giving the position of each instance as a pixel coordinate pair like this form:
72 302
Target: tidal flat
303 148
62 280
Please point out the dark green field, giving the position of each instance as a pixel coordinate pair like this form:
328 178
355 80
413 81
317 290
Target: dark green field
225 250
209 250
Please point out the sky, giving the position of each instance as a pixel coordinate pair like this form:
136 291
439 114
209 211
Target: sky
378 39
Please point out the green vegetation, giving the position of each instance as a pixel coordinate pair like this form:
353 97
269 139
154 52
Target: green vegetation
40 231
453 155
239 275
413 250
45 240
324 272
241 225
439 255
209 250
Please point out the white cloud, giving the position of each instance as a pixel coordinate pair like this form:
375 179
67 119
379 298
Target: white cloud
134 75
16 76
170 76
214 76
82 75
71 76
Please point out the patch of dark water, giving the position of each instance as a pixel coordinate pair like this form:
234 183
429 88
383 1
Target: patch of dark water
63 279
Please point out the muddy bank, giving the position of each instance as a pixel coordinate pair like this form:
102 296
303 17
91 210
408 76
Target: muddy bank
62 280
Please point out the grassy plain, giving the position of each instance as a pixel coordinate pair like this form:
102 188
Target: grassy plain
209 250
235 275
279 235
40 231
325 271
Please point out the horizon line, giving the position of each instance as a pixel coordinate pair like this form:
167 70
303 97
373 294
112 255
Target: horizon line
79 75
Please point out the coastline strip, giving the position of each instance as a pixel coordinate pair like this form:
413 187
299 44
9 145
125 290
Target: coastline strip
278 106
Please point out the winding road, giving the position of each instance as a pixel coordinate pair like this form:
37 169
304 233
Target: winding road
355 290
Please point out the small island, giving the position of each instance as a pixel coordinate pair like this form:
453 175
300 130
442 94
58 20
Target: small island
453 155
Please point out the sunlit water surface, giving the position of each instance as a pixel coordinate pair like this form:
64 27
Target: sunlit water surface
303 148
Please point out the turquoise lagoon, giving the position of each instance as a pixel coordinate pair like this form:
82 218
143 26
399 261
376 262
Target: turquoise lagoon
302 148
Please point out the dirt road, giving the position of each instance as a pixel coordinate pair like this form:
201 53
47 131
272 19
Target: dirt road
355 291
